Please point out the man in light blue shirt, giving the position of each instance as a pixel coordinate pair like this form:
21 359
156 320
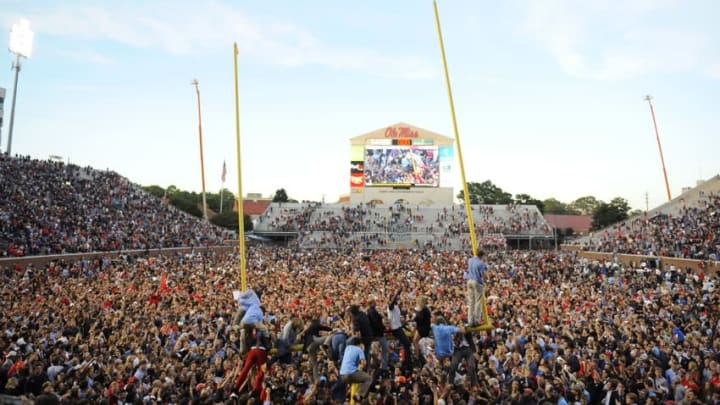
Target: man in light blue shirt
351 368
475 283
444 335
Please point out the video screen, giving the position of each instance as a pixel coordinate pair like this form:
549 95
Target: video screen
402 166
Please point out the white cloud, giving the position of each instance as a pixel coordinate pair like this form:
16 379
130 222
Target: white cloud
614 39
713 70
87 56
200 28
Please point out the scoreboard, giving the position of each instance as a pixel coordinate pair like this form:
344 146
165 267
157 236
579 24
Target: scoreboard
401 161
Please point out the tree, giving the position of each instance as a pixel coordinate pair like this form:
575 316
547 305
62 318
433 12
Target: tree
525 199
609 213
171 189
188 201
585 205
155 190
229 220
622 206
486 193
213 200
635 213
280 196
554 206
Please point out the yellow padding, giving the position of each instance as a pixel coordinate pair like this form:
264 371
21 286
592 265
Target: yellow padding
293 348
353 392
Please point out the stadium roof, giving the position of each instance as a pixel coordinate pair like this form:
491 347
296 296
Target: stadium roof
578 223
255 207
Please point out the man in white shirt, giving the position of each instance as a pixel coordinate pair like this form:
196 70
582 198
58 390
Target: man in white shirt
396 325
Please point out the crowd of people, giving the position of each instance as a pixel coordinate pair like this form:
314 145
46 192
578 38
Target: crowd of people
691 233
373 226
169 330
49 207
408 326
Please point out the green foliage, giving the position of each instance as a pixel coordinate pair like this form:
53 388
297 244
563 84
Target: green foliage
213 201
554 206
621 205
635 213
280 196
485 193
585 205
609 213
526 199
187 201
155 190
229 220
191 202
171 189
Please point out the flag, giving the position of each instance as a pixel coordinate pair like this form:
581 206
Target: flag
224 172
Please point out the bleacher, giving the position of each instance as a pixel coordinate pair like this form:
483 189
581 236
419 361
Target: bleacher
382 226
49 207
624 237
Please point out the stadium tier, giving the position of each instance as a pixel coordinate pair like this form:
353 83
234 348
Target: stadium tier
686 227
48 207
380 226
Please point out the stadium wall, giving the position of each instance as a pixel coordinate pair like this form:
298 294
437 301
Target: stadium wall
41 261
706 266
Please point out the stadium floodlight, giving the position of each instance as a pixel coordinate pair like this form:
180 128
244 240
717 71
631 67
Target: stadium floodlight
21 45
21 39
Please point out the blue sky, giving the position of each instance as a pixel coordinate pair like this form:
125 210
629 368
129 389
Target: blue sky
549 93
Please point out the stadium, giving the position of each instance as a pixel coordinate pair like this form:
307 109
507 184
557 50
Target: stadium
114 293
412 209
82 260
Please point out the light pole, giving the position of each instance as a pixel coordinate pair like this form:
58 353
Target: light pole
21 39
202 156
648 98
2 112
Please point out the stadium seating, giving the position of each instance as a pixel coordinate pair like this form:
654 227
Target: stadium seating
372 226
686 227
49 207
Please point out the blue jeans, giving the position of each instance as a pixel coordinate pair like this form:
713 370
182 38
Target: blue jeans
337 343
384 353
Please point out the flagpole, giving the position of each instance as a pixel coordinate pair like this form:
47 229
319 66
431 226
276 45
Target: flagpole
222 187
221 196
241 222
468 209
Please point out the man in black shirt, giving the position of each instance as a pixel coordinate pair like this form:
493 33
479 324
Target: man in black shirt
422 325
362 328
378 331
